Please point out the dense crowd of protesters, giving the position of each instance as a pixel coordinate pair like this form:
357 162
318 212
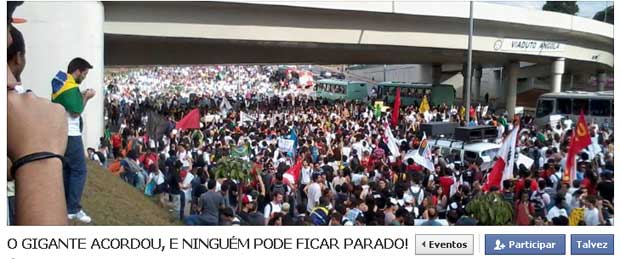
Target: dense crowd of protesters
347 173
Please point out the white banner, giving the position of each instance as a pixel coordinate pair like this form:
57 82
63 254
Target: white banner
525 160
246 117
286 145
210 118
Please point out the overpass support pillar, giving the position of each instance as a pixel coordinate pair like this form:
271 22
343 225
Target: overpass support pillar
512 70
601 80
48 53
477 83
436 74
557 70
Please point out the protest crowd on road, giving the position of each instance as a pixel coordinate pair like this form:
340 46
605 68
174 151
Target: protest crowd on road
243 145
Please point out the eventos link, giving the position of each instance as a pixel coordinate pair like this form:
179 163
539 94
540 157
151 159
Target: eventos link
531 245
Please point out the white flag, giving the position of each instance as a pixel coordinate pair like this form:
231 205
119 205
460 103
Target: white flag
511 154
225 106
423 156
506 158
391 141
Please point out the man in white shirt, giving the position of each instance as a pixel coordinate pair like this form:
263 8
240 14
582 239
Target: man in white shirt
313 193
557 209
274 206
416 193
183 155
591 215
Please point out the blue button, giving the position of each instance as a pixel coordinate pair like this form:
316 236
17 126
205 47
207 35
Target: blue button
519 244
590 244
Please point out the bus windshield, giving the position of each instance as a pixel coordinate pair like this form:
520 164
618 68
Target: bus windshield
545 107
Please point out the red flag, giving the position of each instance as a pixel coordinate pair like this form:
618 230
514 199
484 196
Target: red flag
292 174
580 139
396 109
495 175
190 121
502 169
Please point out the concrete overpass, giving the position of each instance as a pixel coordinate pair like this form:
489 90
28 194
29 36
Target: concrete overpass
386 32
322 32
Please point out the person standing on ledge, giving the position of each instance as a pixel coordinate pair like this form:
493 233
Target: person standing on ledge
66 91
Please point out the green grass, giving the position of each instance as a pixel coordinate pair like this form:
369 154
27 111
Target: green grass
110 201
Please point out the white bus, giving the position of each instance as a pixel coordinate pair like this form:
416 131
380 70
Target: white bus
598 107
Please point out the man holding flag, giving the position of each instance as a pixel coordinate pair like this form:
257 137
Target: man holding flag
391 142
503 167
66 92
580 139
423 155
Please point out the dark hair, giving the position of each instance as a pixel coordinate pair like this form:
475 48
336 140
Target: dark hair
323 201
17 46
432 213
211 184
228 212
507 184
542 184
591 199
178 164
133 154
559 200
337 216
10 8
401 213
315 177
560 221
225 187
78 64
452 216
527 184
276 217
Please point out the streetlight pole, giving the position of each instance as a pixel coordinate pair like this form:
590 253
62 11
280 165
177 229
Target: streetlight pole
469 54
384 72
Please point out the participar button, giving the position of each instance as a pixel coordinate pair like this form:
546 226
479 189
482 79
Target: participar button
444 244
520 244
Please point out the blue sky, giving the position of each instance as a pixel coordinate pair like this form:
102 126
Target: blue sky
586 8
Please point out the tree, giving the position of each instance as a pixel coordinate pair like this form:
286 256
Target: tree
568 7
605 15
490 209
233 168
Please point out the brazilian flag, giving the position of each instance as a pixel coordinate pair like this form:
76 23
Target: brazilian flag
66 92
240 151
